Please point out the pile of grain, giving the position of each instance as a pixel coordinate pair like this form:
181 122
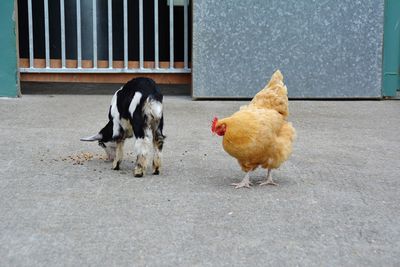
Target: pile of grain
79 159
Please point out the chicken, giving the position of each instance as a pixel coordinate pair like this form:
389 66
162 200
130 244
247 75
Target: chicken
259 134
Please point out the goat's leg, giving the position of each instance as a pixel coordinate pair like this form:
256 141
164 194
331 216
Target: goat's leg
156 161
158 142
142 148
119 154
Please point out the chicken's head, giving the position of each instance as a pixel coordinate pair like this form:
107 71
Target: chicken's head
217 127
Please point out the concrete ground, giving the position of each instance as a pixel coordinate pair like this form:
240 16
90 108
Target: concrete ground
337 203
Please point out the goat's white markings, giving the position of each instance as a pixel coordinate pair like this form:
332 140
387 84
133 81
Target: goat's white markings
143 146
135 101
115 114
153 108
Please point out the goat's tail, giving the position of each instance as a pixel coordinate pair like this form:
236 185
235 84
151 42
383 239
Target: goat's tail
153 108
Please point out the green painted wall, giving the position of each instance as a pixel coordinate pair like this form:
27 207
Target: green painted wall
9 85
391 50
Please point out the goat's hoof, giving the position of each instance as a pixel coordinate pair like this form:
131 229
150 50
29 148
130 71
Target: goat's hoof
116 167
156 172
139 170
138 174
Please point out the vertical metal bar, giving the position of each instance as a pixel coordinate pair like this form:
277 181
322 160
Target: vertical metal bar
94 34
125 34
185 33
110 36
30 26
171 34
141 34
46 33
78 33
62 17
156 56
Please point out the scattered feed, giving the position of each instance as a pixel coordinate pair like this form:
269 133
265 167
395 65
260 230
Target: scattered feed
80 159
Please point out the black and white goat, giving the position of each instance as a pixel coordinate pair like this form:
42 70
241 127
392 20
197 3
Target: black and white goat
136 111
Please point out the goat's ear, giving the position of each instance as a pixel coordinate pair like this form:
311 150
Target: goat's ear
95 137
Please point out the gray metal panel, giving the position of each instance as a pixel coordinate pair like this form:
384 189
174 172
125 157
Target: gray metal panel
323 48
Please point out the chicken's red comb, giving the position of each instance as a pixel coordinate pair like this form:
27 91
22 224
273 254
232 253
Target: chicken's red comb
214 122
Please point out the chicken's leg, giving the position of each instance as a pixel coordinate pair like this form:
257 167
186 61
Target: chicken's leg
269 180
244 183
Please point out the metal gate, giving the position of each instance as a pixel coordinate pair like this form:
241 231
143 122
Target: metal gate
38 24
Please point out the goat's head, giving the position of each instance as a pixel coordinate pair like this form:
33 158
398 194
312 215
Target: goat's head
105 140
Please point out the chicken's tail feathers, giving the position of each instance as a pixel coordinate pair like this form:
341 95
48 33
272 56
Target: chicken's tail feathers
277 77
276 83
273 96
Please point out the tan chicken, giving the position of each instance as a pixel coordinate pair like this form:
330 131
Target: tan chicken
259 134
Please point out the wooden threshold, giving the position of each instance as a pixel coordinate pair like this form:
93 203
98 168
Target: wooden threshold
161 78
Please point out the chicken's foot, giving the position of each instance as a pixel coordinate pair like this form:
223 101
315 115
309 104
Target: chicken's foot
244 183
269 180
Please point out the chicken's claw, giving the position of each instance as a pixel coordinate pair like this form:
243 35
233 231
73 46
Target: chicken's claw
242 184
267 182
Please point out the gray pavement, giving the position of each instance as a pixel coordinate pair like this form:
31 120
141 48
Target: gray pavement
337 203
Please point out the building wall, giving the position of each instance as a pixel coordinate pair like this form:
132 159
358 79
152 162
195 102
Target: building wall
9 86
325 49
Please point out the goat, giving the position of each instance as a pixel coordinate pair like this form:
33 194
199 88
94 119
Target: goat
136 110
